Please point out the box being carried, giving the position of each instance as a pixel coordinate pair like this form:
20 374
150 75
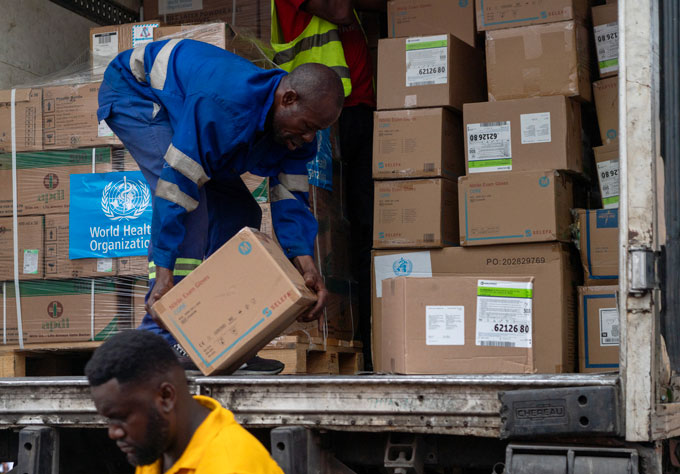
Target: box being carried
235 302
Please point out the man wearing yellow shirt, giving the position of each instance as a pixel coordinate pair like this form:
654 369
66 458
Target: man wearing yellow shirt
138 384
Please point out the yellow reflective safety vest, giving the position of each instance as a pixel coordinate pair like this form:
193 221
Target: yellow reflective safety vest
319 42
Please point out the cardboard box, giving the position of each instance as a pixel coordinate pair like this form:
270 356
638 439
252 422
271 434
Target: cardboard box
598 237
607 161
554 289
503 208
606 96
523 135
599 330
30 245
217 34
235 302
429 17
530 61
257 185
442 71
57 261
62 311
420 143
43 179
500 14
70 118
133 266
452 325
248 17
107 41
415 213
606 33
28 120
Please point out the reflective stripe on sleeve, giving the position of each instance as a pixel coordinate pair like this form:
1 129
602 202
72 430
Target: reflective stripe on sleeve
171 192
280 193
295 182
159 70
182 163
137 63
183 267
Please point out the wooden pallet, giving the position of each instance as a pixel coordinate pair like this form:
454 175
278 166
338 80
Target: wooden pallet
50 359
304 355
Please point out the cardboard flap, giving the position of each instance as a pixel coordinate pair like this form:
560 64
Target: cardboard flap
22 95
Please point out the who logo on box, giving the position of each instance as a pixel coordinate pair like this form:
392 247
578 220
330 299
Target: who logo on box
109 215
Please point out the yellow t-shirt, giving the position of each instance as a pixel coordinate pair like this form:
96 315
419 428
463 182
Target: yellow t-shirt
219 446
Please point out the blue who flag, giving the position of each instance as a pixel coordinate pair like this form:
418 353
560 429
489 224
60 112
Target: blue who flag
110 215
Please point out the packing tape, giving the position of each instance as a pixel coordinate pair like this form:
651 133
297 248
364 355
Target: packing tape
533 46
15 220
92 309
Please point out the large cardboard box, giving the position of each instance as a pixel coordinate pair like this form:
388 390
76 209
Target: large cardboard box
599 330
598 237
606 32
57 262
70 118
235 302
503 208
27 120
429 17
429 71
550 264
458 325
107 41
43 179
530 61
62 311
415 213
500 14
607 161
606 95
30 245
523 134
420 143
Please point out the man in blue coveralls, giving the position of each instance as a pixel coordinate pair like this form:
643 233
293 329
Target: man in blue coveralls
195 117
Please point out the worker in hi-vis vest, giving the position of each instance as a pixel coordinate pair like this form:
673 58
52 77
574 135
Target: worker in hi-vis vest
329 32
195 117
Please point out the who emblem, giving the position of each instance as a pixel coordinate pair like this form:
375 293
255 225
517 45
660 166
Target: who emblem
125 200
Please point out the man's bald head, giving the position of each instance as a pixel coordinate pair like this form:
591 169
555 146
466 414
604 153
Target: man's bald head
308 99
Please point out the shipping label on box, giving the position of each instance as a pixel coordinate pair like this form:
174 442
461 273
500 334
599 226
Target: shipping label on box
30 247
599 329
44 178
63 311
606 32
426 17
523 135
500 14
428 71
541 60
606 95
235 302
418 143
529 206
457 324
28 120
554 302
607 161
415 213
599 245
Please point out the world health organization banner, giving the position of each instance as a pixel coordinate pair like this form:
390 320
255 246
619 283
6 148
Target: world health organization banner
110 215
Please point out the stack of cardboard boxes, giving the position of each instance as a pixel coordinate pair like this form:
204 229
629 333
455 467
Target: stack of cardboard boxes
521 156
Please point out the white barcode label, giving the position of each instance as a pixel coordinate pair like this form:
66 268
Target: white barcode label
535 128
428 237
426 60
31 261
489 147
103 129
504 313
104 50
445 325
607 42
104 265
608 174
609 327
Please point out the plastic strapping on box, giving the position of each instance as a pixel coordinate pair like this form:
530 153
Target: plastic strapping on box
92 309
318 264
4 312
15 220
94 160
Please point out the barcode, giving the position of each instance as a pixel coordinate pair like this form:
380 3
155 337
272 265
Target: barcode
422 83
492 124
615 331
428 167
497 344
611 340
428 237
104 39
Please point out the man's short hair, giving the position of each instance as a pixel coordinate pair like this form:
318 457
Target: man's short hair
130 356
313 81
